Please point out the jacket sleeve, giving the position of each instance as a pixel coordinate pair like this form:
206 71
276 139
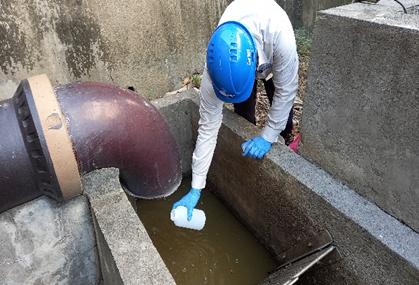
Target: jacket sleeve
285 79
210 111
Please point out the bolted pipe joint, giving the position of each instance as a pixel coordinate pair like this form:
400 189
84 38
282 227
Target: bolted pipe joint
50 136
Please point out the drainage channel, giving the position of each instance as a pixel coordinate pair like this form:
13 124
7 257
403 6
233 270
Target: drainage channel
223 252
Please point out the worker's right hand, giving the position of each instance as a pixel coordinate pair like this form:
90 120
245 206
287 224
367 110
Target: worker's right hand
189 201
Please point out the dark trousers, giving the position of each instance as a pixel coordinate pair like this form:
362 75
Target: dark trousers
247 108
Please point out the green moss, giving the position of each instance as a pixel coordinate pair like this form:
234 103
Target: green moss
303 41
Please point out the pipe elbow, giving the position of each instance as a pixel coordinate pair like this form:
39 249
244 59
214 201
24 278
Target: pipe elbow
50 136
110 126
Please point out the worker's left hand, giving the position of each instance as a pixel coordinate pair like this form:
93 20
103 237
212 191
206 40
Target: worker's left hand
256 147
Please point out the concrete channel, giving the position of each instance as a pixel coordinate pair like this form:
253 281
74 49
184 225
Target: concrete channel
283 199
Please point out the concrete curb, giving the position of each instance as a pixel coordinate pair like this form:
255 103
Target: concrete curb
127 254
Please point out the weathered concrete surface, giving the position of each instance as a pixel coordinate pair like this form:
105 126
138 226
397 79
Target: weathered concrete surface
149 45
303 13
362 103
283 199
177 111
46 243
127 254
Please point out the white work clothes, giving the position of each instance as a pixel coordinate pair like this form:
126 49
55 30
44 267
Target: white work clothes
277 57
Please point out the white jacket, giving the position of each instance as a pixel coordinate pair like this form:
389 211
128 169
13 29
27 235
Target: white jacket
274 35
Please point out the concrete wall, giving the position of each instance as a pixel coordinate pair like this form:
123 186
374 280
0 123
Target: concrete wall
362 103
149 45
303 12
178 113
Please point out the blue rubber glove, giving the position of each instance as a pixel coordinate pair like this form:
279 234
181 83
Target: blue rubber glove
256 147
189 201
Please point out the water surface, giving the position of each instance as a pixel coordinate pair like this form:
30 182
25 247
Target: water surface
223 252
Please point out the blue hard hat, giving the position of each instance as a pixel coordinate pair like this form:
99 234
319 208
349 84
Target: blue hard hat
231 62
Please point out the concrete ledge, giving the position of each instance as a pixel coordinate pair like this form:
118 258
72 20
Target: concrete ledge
127 254
43 242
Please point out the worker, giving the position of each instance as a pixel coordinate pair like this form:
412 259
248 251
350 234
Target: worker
254 41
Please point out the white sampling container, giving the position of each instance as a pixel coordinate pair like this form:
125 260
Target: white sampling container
180 217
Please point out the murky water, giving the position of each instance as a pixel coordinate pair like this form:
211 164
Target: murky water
223 252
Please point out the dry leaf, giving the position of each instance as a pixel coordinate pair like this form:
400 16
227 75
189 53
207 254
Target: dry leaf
186 81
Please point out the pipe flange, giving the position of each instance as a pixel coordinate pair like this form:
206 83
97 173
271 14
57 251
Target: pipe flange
47 140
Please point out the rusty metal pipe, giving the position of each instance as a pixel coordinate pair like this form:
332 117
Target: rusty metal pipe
50 136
